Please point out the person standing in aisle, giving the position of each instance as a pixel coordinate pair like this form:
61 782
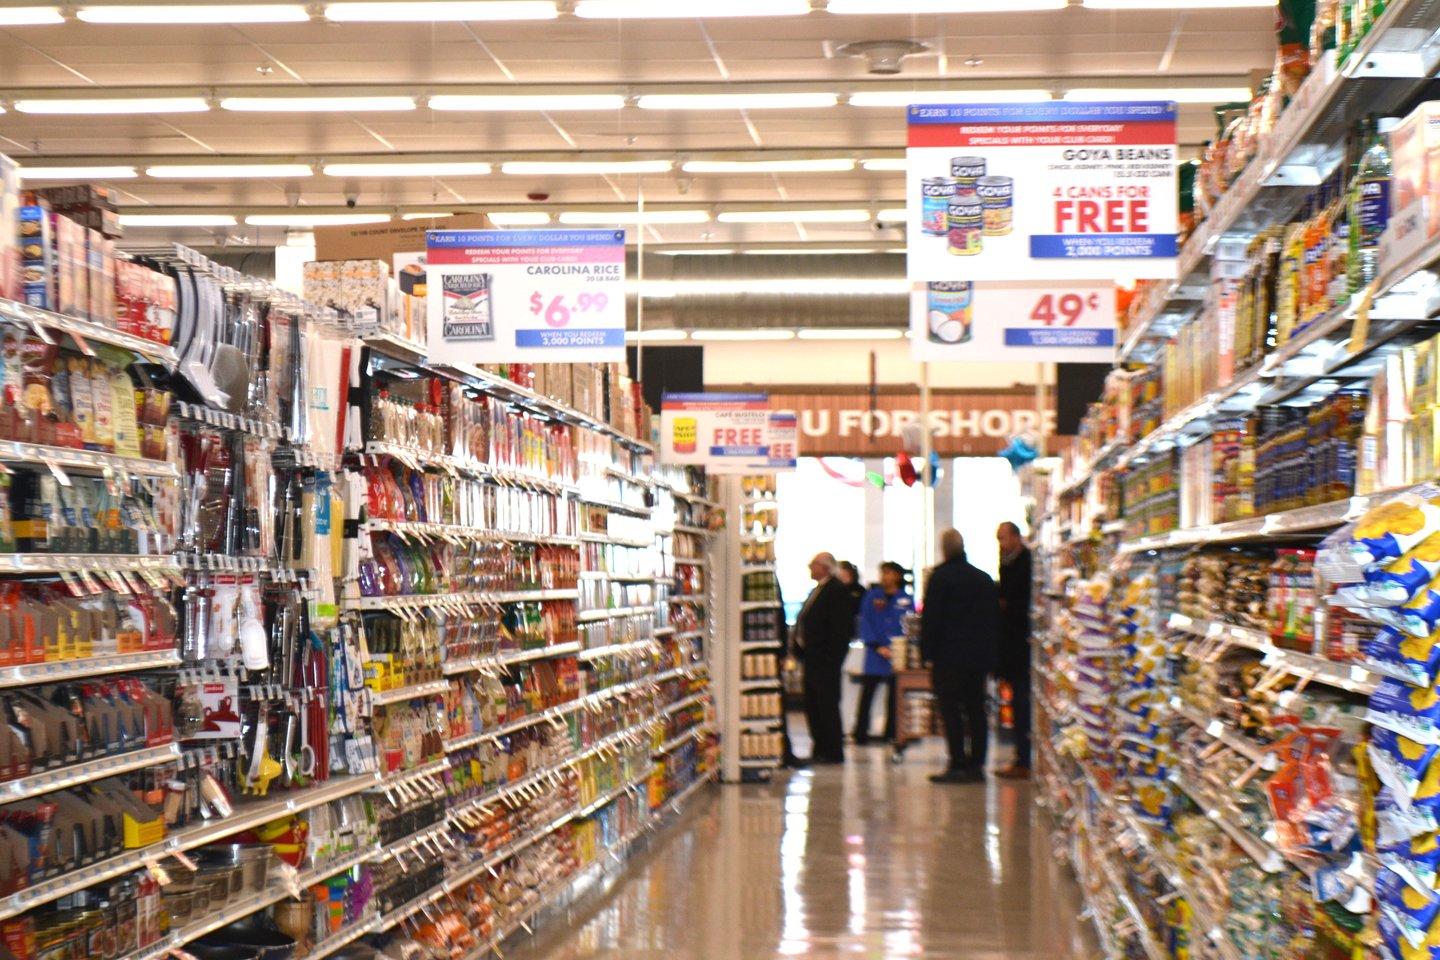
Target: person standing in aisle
882 612
849 576
1014 660
822 638
959 629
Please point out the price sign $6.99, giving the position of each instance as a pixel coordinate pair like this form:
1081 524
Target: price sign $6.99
558 307
1066 309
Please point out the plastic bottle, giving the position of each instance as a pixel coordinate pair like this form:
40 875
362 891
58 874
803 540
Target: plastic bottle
1370 207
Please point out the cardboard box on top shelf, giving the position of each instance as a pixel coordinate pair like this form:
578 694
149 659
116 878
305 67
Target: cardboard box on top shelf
37 258
1415 162
382 241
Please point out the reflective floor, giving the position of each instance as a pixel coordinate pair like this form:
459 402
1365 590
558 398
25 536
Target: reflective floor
868 860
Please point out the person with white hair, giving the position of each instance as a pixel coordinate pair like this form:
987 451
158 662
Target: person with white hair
959 635
821 640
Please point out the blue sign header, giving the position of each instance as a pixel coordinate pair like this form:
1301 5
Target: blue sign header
1056 111
523 238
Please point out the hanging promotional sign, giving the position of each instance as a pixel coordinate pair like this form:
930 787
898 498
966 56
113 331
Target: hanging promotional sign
526 296
1062 191
727 432
1060 322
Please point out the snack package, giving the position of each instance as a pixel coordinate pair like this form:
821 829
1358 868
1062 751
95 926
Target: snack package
1416 861
1399 580
1413 712
1395 946
1394 653
1400 763
1412 911
1391 530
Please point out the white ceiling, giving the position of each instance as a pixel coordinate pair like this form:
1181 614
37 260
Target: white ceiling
1053 50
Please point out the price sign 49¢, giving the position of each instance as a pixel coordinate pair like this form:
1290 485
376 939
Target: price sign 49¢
1057 322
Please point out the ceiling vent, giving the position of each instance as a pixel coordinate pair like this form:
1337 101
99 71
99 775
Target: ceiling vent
882 57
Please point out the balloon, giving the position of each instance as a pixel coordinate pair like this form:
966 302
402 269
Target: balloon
1019 453
934 468
906 468
876 479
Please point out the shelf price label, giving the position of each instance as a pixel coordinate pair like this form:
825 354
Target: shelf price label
530 296
1059 322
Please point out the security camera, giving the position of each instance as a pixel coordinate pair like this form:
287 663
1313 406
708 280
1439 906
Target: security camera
351 199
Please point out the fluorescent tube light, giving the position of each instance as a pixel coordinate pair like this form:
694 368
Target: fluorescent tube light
736 101
794 216
837 165
425 216
521 102
697 252
315 219
742 335
30 16
942 6
885 165
520 219
315 104
176 220
440 11
1176 4
591 217
661 335
416 169
891 215
690 10
886 333
77 173
592 167
1178 94
116 106
180 13
903 98
229 171
783 286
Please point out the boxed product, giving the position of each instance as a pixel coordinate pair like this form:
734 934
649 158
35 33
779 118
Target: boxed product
1415 161
359 290
37 258
9 227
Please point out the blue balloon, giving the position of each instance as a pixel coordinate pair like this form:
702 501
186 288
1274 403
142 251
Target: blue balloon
934 477
1019 453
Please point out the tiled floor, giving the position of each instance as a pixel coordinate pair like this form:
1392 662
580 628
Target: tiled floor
869 860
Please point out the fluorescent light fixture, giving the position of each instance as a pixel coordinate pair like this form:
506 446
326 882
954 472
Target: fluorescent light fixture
440 11
660 335
885 333
942 6
425 216
30 16
836 165
809 252
690 10
229 171
735 101
781 286
316 104
1176 4
540 168
180 13
538 102
117 106
885 165
418 169
903 98
891 215
176 220
315 219
602 218
742 335
77 173
1178 94
522 218
794 216
698 252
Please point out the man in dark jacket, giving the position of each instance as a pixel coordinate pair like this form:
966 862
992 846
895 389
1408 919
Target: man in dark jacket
822 639
1015 575
959 630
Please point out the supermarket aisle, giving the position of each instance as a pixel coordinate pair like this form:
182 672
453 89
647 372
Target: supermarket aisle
867 860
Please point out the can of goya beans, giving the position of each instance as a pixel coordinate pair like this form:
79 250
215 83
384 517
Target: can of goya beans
965 171
997 196
965 218
935 196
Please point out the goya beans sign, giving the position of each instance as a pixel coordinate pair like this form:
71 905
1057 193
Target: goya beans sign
1042 191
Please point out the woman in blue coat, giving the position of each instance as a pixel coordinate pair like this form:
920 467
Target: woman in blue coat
882 610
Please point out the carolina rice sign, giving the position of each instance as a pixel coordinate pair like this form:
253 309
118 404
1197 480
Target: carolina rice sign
842 422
